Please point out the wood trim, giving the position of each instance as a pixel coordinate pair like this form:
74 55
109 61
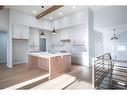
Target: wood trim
50 10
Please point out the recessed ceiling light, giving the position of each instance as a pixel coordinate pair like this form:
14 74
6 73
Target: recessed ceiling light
73 7
34 12
50 18
60 13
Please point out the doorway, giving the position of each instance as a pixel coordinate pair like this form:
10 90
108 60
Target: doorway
3 47
42 42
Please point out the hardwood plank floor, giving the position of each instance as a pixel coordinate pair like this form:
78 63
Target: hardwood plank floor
18 74
80 77
84 79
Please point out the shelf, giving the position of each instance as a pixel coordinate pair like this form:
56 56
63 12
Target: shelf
19 39
65 40
78 45
33 45
57 45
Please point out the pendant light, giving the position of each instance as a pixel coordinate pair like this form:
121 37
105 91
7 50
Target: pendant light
114 36
54 31
42 34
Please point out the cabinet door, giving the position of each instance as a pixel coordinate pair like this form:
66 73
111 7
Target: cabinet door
25 32
16 31
65 34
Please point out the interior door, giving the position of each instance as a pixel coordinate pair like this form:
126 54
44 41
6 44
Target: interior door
3 47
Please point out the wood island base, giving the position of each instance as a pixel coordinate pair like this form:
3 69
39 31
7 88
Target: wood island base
55 65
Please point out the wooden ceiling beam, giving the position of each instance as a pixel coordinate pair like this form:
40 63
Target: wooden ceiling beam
50 10
1 7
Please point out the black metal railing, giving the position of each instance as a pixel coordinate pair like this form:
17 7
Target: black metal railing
108 73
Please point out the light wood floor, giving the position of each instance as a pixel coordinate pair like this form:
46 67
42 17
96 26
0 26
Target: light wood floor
80 77
18 74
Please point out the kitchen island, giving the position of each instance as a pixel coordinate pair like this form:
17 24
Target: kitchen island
56 63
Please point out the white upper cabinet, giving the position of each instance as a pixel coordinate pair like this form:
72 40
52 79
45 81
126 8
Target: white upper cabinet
16 31
34 36
25 32
34 39
20 31
65 34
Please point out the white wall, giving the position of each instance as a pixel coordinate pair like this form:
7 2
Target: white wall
29 20
118 48
4 26
3 47
107 19
91 34
111 16
73 19
20 49
98 45
4 20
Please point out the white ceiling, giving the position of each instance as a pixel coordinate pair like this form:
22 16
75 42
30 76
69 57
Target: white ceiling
66 10
29 9
109 30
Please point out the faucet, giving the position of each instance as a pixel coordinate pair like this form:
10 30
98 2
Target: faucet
50 48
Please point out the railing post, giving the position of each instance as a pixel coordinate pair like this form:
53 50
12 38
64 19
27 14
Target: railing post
93 72
112 66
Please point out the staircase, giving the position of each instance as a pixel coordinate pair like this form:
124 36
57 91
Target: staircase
108 73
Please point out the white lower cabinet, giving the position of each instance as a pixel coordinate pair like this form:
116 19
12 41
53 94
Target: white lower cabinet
80 58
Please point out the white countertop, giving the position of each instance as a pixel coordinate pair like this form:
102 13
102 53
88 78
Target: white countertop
47 54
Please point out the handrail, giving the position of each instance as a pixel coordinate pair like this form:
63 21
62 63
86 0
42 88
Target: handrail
122 61
105 67
102 70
